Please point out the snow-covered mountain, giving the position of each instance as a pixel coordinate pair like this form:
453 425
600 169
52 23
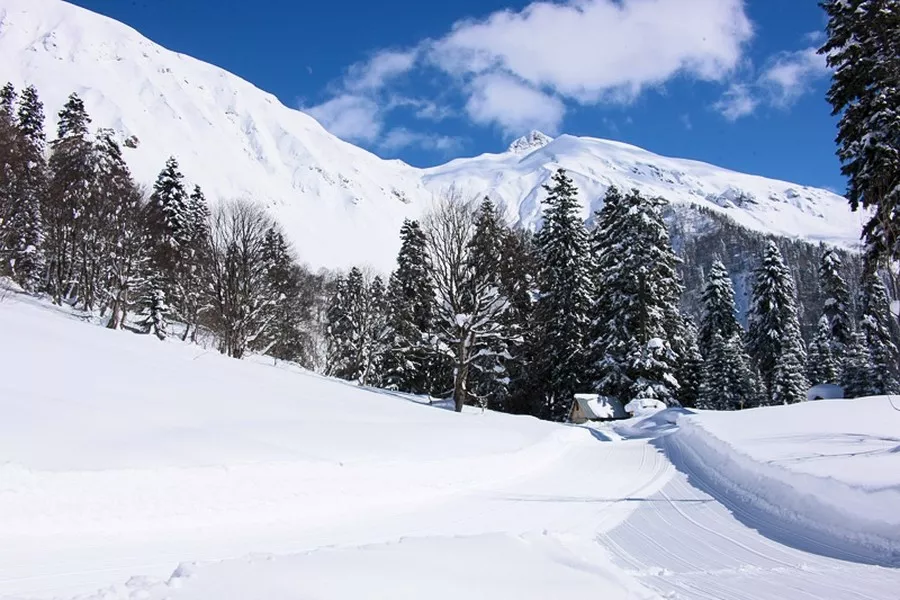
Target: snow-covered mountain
338 203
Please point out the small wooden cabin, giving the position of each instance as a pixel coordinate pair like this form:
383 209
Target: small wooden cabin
594 407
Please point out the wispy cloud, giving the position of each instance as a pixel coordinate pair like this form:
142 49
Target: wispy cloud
400 137
784 79
736 102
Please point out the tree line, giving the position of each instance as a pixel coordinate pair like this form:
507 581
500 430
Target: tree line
76 226
489 314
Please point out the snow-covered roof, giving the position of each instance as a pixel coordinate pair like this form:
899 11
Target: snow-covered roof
595 406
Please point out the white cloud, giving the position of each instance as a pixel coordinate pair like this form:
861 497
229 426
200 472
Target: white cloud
601 50
401 137
516 69
736 102
789 75
350 117
516 107
785 78
379 70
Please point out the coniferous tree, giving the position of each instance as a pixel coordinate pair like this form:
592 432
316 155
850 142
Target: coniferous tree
23 237
718 306
119 249
876 325
562 311
490 374
410 299
641 330
863 50
65 208
858 374
837 307
156 320
338 332
9 163
774 337
690 368
517 280
729 382
285 338
821 366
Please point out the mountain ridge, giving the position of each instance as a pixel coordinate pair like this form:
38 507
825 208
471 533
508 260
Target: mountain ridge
338 203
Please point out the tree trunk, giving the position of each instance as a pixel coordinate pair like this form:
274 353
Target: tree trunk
461 374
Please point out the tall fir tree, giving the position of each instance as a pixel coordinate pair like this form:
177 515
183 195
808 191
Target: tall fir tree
878 327
821 365
65 208
491 347
284 339
690 367
728 381
774 338
27 248
562 311
518 268
863 51
170 227
640 330
837 305
410 299
857 374
719 312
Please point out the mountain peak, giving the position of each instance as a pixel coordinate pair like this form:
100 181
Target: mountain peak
530 142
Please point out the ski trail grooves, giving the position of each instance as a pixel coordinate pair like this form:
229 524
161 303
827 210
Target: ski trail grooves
684 543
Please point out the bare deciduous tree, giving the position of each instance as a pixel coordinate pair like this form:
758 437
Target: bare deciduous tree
469 307
239 293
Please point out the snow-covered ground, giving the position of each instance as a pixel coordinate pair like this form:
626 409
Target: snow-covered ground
122 457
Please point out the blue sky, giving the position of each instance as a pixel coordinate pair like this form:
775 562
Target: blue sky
731 82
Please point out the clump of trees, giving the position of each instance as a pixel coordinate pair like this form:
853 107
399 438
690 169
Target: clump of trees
76 226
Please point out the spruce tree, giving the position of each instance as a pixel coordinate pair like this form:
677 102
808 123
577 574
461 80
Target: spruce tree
863 51
26 225
774 337
564 300
284 339
640 330
690 368
410 299
876 325
493 341
65 208
837 307
858 373
719 313
821 366
518 268
155 321
338 353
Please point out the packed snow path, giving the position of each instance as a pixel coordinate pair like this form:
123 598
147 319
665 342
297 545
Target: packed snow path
109 475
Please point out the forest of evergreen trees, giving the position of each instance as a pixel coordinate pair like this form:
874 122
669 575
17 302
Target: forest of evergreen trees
475 310
75 226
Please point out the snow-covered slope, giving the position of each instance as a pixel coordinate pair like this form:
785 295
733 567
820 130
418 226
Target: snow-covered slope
122 456
341 204
515 178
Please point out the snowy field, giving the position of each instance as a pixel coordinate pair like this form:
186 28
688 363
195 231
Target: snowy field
135 469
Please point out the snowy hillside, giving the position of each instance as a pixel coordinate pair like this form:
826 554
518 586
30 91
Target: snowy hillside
341 204
515 178
123 457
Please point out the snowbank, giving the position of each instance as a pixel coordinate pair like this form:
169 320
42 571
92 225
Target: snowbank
827 471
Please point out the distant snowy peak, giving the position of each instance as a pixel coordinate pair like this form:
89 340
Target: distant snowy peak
529 143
